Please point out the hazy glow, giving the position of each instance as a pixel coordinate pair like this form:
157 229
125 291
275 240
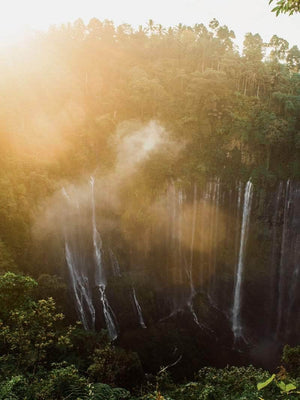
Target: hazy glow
19 16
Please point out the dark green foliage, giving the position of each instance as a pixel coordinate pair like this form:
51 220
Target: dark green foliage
291 360
6 260
64 382
33 341
15 292
55 287
102 391
230 383
115 366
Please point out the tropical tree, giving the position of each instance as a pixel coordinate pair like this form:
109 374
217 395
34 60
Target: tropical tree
286 6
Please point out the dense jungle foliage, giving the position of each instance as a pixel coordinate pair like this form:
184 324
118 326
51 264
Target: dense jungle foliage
43 358
63 97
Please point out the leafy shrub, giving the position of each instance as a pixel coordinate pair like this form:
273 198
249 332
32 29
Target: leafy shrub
13 388
64 382
291 360
115 366
231 383
102 391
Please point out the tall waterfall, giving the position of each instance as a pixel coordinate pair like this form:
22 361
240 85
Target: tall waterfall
237 327
138 309
100 279
79 280
82 295
190 270
114 263
199 244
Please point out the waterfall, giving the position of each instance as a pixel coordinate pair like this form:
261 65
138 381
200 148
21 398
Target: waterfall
215 222
99 273
83 298
114 263
97 243
237 225
190 273
79 282
109 315
138 309
236 312
190 270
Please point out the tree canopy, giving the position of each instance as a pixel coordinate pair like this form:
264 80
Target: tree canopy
286 6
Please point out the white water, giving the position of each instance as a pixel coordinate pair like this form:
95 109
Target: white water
214 275
114 263
192 287
83 298
237 327
109 315
237 225
79 283
99 275
190 270
139 310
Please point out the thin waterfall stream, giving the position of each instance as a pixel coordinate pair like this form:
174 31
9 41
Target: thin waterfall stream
138 309
237 327
100 279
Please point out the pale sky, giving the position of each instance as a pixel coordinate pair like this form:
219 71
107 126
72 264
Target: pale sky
241 16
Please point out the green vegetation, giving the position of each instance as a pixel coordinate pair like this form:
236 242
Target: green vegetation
42 359
286 6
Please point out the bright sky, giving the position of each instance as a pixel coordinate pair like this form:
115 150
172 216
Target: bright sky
241 16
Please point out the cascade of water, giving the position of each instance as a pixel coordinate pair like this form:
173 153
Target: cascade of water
202 236
79 283
237 327
97 243
114 263
99 273
180 199
65 194
192 242
237 226
138 309
109 315
212 193
215 239
190 269
83 298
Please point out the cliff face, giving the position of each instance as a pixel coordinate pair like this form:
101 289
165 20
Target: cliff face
213 267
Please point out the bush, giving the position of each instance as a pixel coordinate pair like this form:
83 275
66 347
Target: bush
64 382
116 367
291 360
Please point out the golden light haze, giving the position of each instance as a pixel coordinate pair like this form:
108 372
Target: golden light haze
18 17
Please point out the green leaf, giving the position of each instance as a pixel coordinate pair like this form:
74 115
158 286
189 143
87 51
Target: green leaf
261 385
290 387
281 385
